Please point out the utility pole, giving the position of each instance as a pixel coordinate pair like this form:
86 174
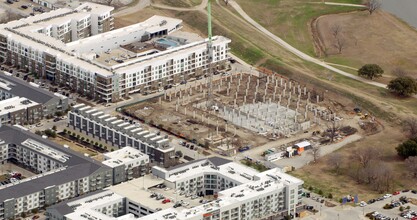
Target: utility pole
210 57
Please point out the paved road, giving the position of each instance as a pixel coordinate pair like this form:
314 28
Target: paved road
141 4
200 7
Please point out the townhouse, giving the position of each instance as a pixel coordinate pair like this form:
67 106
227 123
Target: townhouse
121 133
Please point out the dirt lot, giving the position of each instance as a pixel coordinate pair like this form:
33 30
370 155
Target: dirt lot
75 147
322 176
380 39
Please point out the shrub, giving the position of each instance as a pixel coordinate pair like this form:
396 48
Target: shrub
320 192
330 196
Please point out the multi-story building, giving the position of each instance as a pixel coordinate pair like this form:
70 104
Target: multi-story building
73 49
255 195
127 163
50 103
18 110
120 133
61 172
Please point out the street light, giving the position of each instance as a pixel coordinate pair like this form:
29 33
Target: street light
320 209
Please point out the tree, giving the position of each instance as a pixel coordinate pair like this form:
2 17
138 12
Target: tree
78 136
410 127
370 71
330 196
373 5
96 144
411 164
54 127
335 161
336 29
364 156
408 148
65 130
100 146
404 86
38 132
315 152
340 44
399 72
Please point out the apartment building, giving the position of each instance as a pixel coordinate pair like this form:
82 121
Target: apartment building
121 133
127 163
18 110
61 173
50 103
256 195
77 48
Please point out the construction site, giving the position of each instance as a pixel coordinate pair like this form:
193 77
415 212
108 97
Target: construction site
245 110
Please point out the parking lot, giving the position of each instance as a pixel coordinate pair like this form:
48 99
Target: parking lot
350 211
10 172
23 7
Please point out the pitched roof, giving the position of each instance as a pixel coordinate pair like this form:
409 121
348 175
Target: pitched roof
23 89
77 166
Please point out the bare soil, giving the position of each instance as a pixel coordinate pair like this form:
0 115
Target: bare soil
379 38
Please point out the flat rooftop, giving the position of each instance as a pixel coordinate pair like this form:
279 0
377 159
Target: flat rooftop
235 171
15 104
124 156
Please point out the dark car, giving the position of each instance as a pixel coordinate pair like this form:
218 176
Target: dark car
371 201
9 1
414 191
24 6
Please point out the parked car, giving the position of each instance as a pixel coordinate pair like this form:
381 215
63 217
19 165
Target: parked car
24 6
166 201
396 193
245 148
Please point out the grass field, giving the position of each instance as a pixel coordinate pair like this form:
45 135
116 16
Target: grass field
289 19
178 3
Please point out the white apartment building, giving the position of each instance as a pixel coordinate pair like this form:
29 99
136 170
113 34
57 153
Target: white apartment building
127 163
79 49
255 195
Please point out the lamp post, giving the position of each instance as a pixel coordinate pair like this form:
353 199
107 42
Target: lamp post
320 209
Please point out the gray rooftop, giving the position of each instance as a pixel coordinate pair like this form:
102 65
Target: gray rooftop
78 165
24 89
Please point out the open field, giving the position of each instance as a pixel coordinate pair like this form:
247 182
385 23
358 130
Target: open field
380 39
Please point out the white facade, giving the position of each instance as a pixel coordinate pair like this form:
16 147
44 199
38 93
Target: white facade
270 193
66 45
128 156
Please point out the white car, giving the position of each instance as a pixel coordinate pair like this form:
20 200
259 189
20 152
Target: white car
363 204
387 196
166 189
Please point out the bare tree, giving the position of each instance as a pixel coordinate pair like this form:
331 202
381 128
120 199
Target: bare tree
315 152
336 29
340 44
399 72
335 160
410 126
373 5
411 164
333 126
384 176
9 16
364 156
